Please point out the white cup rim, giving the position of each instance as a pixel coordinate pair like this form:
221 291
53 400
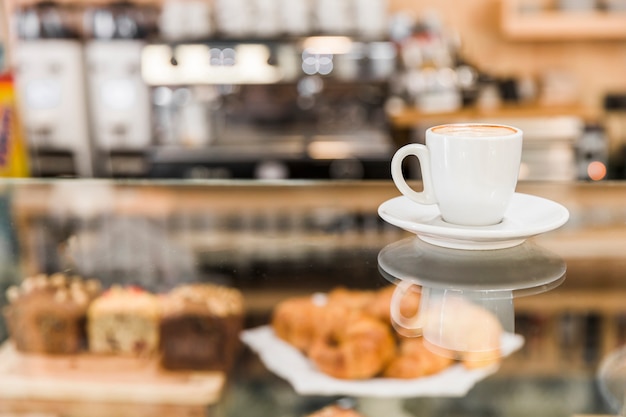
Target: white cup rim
433 130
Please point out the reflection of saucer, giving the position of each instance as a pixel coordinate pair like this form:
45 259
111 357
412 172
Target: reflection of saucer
526 216
524 269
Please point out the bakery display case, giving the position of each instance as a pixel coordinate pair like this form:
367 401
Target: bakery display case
239 298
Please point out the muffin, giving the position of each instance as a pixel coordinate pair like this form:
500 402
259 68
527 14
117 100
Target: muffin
200 327
124 321
47 314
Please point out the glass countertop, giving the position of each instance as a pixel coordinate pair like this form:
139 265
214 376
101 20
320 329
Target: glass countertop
559 296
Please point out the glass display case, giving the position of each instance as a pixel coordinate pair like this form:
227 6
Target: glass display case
556 301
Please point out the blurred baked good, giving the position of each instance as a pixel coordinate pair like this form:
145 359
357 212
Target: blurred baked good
481 359
414 360
296 320
349 334
351 344
200 327
335 411
380 305
46 314
124 320
467 330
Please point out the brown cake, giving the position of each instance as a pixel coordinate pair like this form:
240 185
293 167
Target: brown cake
200 327
124 321
46 314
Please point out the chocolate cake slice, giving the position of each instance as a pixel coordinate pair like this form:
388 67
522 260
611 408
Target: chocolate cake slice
200 327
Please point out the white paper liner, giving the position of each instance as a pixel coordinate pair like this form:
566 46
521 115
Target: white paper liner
289 363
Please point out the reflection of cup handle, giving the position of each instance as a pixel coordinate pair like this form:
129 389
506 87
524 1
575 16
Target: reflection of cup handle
427 196
408 323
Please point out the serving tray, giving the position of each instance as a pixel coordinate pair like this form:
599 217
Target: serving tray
104 379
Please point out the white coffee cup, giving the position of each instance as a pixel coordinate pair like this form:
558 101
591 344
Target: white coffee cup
469 170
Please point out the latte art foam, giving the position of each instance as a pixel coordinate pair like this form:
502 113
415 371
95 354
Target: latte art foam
474 130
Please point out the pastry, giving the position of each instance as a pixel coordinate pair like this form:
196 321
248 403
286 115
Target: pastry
351 344
381 303
124 320
296 320
46 314
348 334
414 360
469 331
200 327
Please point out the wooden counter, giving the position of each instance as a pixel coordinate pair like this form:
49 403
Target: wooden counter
410 117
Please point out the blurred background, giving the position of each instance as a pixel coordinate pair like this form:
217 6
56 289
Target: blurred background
304 89
311 89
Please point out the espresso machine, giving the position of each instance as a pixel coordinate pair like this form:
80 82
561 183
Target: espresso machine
118 97
272 98
48 62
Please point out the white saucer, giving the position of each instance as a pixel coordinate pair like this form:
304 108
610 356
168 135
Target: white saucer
526 216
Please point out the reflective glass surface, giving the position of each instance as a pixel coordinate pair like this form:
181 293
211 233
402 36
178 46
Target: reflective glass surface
558 297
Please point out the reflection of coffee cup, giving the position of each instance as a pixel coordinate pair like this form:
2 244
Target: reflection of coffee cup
467 322
457 323
469 170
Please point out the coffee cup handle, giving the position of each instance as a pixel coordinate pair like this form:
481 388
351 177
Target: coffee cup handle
422 153
416 322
